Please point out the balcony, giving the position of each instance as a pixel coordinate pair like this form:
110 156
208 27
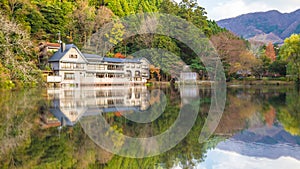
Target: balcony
54 79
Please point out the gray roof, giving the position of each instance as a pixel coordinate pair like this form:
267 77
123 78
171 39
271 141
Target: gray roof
98 58
91 57
58 55
119 60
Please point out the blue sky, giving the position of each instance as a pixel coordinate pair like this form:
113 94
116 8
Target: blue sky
221 9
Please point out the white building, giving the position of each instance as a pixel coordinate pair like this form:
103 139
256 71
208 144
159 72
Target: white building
72 68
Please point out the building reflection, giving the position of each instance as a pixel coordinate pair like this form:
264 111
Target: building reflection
68 105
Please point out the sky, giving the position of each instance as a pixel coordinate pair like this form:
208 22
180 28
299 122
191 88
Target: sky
222 9
221 159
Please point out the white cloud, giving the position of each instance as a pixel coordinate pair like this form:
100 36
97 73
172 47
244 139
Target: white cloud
220 159
221 9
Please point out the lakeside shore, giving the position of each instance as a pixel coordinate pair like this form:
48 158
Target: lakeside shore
232 83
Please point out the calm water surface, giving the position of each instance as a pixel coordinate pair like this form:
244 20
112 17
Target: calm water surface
260 127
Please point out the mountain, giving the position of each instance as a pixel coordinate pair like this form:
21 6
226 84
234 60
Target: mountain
268 142
270 26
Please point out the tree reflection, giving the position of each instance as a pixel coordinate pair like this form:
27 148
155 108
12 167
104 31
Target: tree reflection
27 144
289 115
17 118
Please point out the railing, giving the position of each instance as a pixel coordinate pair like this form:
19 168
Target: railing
54 79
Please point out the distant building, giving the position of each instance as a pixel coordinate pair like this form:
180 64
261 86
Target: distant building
46 49
49 47
187 75
70 67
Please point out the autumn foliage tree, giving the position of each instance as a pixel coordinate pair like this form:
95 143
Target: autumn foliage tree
270 52
234 53
119 55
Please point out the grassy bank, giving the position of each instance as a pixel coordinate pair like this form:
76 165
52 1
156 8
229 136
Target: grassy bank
260 82
232 83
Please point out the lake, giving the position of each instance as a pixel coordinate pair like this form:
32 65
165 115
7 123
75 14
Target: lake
162 126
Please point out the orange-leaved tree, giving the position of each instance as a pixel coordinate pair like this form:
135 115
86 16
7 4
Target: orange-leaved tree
270 52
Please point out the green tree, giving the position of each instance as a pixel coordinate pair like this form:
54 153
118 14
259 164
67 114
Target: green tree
169 7
290 52
278 66
83 24
265 62
215 29
56 14
115 36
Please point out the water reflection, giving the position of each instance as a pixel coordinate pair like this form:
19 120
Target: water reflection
266 147
267 142
109 114
259 128
258 134
69 105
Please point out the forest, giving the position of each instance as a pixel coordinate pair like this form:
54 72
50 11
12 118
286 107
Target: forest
27 23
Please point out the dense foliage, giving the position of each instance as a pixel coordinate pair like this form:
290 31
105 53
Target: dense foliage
17 62
290 51
77 20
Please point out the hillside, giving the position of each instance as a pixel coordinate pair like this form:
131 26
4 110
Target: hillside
27 23
271 26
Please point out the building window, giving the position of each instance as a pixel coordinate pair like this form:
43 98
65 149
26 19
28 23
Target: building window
101 67
119 75
120 67
119 101
137 95
69 76
79 66
66 65
89 74
73 113
110 102
110 75
73 56
69 93
128 73
100 75
110 67
91 67
137 73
